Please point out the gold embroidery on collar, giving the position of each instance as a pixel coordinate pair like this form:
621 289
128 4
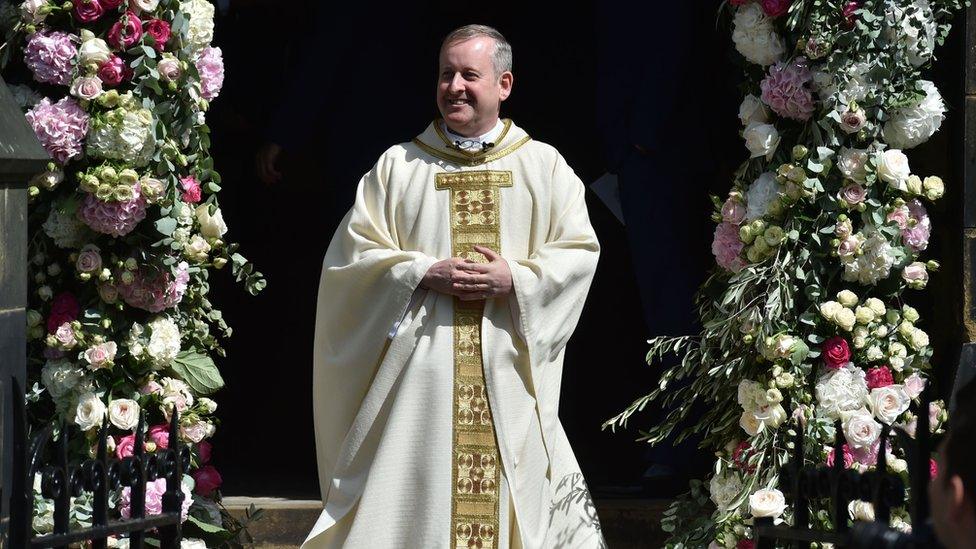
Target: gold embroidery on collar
475 463
466 158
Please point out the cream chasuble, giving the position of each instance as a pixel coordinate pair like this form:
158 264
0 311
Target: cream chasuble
444 432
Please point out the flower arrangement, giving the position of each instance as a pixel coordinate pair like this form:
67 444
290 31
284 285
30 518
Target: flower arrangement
818 243
125 231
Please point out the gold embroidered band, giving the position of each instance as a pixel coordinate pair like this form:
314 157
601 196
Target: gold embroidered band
475 464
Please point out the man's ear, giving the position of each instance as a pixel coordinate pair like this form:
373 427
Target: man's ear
505 81
959 504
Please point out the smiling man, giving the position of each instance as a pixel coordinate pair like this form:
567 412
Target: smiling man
447 296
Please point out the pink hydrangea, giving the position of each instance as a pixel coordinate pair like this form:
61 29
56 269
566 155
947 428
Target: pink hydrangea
60 127
50 56
210 65
112 217
917 237
879 377
727 246
154 292
154 499
785 90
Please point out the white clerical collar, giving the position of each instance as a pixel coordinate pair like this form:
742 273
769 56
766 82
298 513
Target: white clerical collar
473 143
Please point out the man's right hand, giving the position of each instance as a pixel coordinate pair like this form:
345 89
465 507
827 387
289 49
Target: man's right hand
264 163
442 275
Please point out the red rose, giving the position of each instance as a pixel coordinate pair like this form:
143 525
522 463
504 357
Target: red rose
879 377
775 8
111 4
836 352
160 31
745 544
207 480
741 455
204 450
125 32
113 71
87 11
64 308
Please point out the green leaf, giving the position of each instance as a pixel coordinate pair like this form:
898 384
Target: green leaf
166 226
208 528
198 371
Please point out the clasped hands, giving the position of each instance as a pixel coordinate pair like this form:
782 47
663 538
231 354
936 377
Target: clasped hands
469 280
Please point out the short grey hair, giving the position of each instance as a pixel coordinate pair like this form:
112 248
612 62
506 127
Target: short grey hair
501 58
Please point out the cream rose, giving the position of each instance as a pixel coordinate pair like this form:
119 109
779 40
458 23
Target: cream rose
752 110
893 168
101 356
847 298
761 139
196 249
768 502
888 403
845 318
93 50
861 429
86 87
90 412
124 413
211 225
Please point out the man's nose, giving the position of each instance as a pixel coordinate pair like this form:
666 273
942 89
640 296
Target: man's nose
457 83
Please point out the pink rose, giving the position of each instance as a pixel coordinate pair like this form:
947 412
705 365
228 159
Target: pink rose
733 211
852 121
191 189
726 247
87 11
169 69
151 388
112 72
915 275
89 260
853 194
204 450
154 499
125 32
879 377
160 31
108 292
64 308
111 4
159 434
836 352
847 247
775 8
86 87
900 217
914 385
848 457
125 446
65 335
207 480
102 355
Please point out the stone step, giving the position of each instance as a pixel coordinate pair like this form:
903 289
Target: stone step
627 523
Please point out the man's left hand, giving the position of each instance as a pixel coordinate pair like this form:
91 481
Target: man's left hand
484 280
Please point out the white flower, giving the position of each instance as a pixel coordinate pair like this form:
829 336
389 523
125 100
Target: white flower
842 390
192 543
852 163
201 27
124 413
195 432
752 110
877 306
66 230
751 395
48 179
175 393
829 308
768 502
761 139
30 11
143 5
861 430
914 28
919 339
845 318
101 355
755 36
874 353
847 298
60 377
761 193
164 342
208 405
196 249
889 402
125 133
873 264
750 423
724 489
861 510
893 168
911 126
915 275
90 412
211 225
914 385
93 50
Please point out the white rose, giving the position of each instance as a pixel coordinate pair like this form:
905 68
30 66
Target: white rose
761 139
842 390
93 50
845 318
755 36
86 87
914 385
861 510
196 249
888 403
893 168
933 187
124 413
829 308
852 163
915 275
897 465
752 110
847 298
768 502
211 225
919 339
874 353
864 315
876 305
169 69
208 405
861 430
90 412
771 416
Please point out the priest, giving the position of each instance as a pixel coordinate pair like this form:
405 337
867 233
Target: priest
447 296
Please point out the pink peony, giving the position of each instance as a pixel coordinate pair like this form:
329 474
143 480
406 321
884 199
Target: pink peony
836 352
204 450
785 90
113 71
917 237
154 499
125 32
87 11
125 446
64 308
879 377
210 65
159 434
848 457
191 189
157 291
49 55
207 479
60 127
727 246
111 217
775 8
160 31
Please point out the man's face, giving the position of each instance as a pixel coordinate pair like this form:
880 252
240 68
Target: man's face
469 93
